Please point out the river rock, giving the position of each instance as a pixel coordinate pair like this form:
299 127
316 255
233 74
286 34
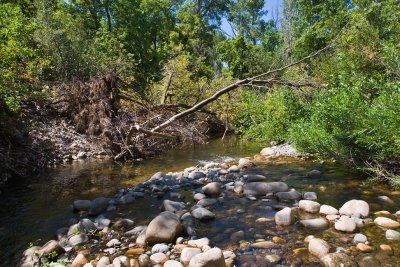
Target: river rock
77 239
284 217
364 248
310 196
233 168
188 253
291 195
345 224
172 206
82 205
360 238
166 227
144 260
103 262
79 261
357 208
261 188
245 163
338 260
199 243
172 263
50 247
203 214
158 258
160 248
386 200
121 261
328 210
309 206
392 235
123 224
205 202
316 224
314 173
212 189
157 176
99 205
199 196
264 244
195 175
386 222
254 178
210 258
318 247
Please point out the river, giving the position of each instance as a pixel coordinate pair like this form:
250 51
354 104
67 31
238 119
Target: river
32 210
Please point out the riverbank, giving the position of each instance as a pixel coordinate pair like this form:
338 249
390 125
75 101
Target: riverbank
234 204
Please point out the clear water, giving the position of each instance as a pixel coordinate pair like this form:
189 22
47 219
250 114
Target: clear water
35 209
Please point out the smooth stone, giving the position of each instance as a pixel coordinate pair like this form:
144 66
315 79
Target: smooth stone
157 176
264 244
126 199
209 258
113 242
386 248
160 248
82 205
79 261
318 247
328 210
195 175
274 258
386 222
364 248
50 247
158 258
392 235
144 260
203 214
332 217
188 253
291 195
233 168
356 208
369 261
261 188
166 227
172 206
135 251
345 224
338 260
172 263
99 205
123 224
199 196
310 196
238 189
266 220
77 239
103 262
360 238
121 261
309 206
284 217
199 243
316 224
255 178
212 189
207 202
386 200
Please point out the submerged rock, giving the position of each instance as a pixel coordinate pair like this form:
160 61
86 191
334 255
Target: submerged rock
172 206
318 247
261 188
166 227
338 260
285 217
291 195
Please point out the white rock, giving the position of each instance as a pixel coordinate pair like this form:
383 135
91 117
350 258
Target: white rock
318 247
328 210
285 217
357 208
309 206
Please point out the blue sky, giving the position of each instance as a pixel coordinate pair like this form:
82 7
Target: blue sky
274 8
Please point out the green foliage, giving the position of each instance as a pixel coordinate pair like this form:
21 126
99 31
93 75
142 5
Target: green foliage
268 117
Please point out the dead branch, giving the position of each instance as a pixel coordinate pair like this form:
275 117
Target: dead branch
167 86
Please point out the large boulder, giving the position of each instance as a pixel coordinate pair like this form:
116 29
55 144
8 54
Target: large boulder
164 228
354 207
284 217
211 258
261 188
212 189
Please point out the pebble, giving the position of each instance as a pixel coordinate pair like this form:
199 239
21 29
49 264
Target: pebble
158 258
392 235
364 248
386 222
360 238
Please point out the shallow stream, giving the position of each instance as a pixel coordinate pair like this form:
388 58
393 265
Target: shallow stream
31 211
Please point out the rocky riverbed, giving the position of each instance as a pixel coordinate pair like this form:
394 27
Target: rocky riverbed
224 214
